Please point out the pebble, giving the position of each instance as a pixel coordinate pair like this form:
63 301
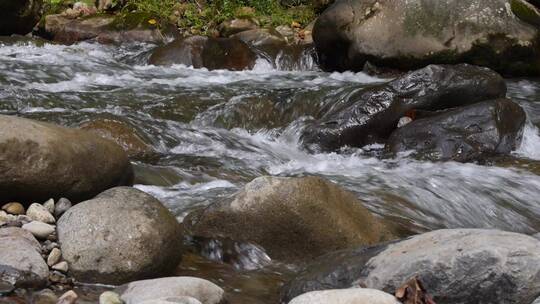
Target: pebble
24 219
58 277
62 266
54 257
48 246
39 229
40 213
109 297
45 296
4 217
61 206
403 121
49 205
69 297
13 208
6 287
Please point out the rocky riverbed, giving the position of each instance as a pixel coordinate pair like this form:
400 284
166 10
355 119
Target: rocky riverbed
138 166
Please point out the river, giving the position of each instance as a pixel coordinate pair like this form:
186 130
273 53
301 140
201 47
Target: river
214 131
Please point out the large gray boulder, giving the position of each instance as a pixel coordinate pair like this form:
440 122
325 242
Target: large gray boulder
172 287
370 115
40 161
501 34
21 264
462 266
346 296
464 134
19 16
291 218
121 235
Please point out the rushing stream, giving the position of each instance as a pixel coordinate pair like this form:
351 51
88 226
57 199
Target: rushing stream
214 131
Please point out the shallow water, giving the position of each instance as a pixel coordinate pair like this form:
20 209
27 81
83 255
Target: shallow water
214 131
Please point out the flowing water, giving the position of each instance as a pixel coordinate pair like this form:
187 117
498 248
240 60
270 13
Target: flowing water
214 131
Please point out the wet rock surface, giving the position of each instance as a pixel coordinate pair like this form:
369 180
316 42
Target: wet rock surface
464 134
42 160
370 115
291 218
205 52
123 234
500 34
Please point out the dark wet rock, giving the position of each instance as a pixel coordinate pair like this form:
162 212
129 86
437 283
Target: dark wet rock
205 52
261 37
461 266
412 34
41 160
370 115
464 134
135 145
346 296
235 26
6 287
291 218
21 264
19 16
141 291
123 234
336 270
103 28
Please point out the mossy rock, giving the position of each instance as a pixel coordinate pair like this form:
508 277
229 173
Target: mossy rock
134 20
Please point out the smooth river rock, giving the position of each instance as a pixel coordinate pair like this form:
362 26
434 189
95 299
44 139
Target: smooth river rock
465 134
39 229
40 161
19 16
14 208
40 213
149 290
370 115
461 266
346 296
21 263
500 34
121 235
206 52
291 218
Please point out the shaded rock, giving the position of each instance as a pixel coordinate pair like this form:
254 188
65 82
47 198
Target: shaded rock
123 134
45 296
6 287
231 27
141 291
461 266
261 37
69 297
123 234
61 206
49 205
346 296
39 229
464 134
336 270
54 257
62 267
412 34
66 30
14 208
41 160
21 263
291 218
205 52
19 16
109 297
40 213
371 114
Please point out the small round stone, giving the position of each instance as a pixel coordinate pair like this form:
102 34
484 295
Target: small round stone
61 206
39 213
6 287
109 297
49 205
39 229
54 257
69 297
62 266
14 208
58 277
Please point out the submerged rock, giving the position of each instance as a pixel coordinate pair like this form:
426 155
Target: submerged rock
464 134
172 287
42 160
500 34
21 263
205 52
123 234
291 218
346 296
371 114
19 16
